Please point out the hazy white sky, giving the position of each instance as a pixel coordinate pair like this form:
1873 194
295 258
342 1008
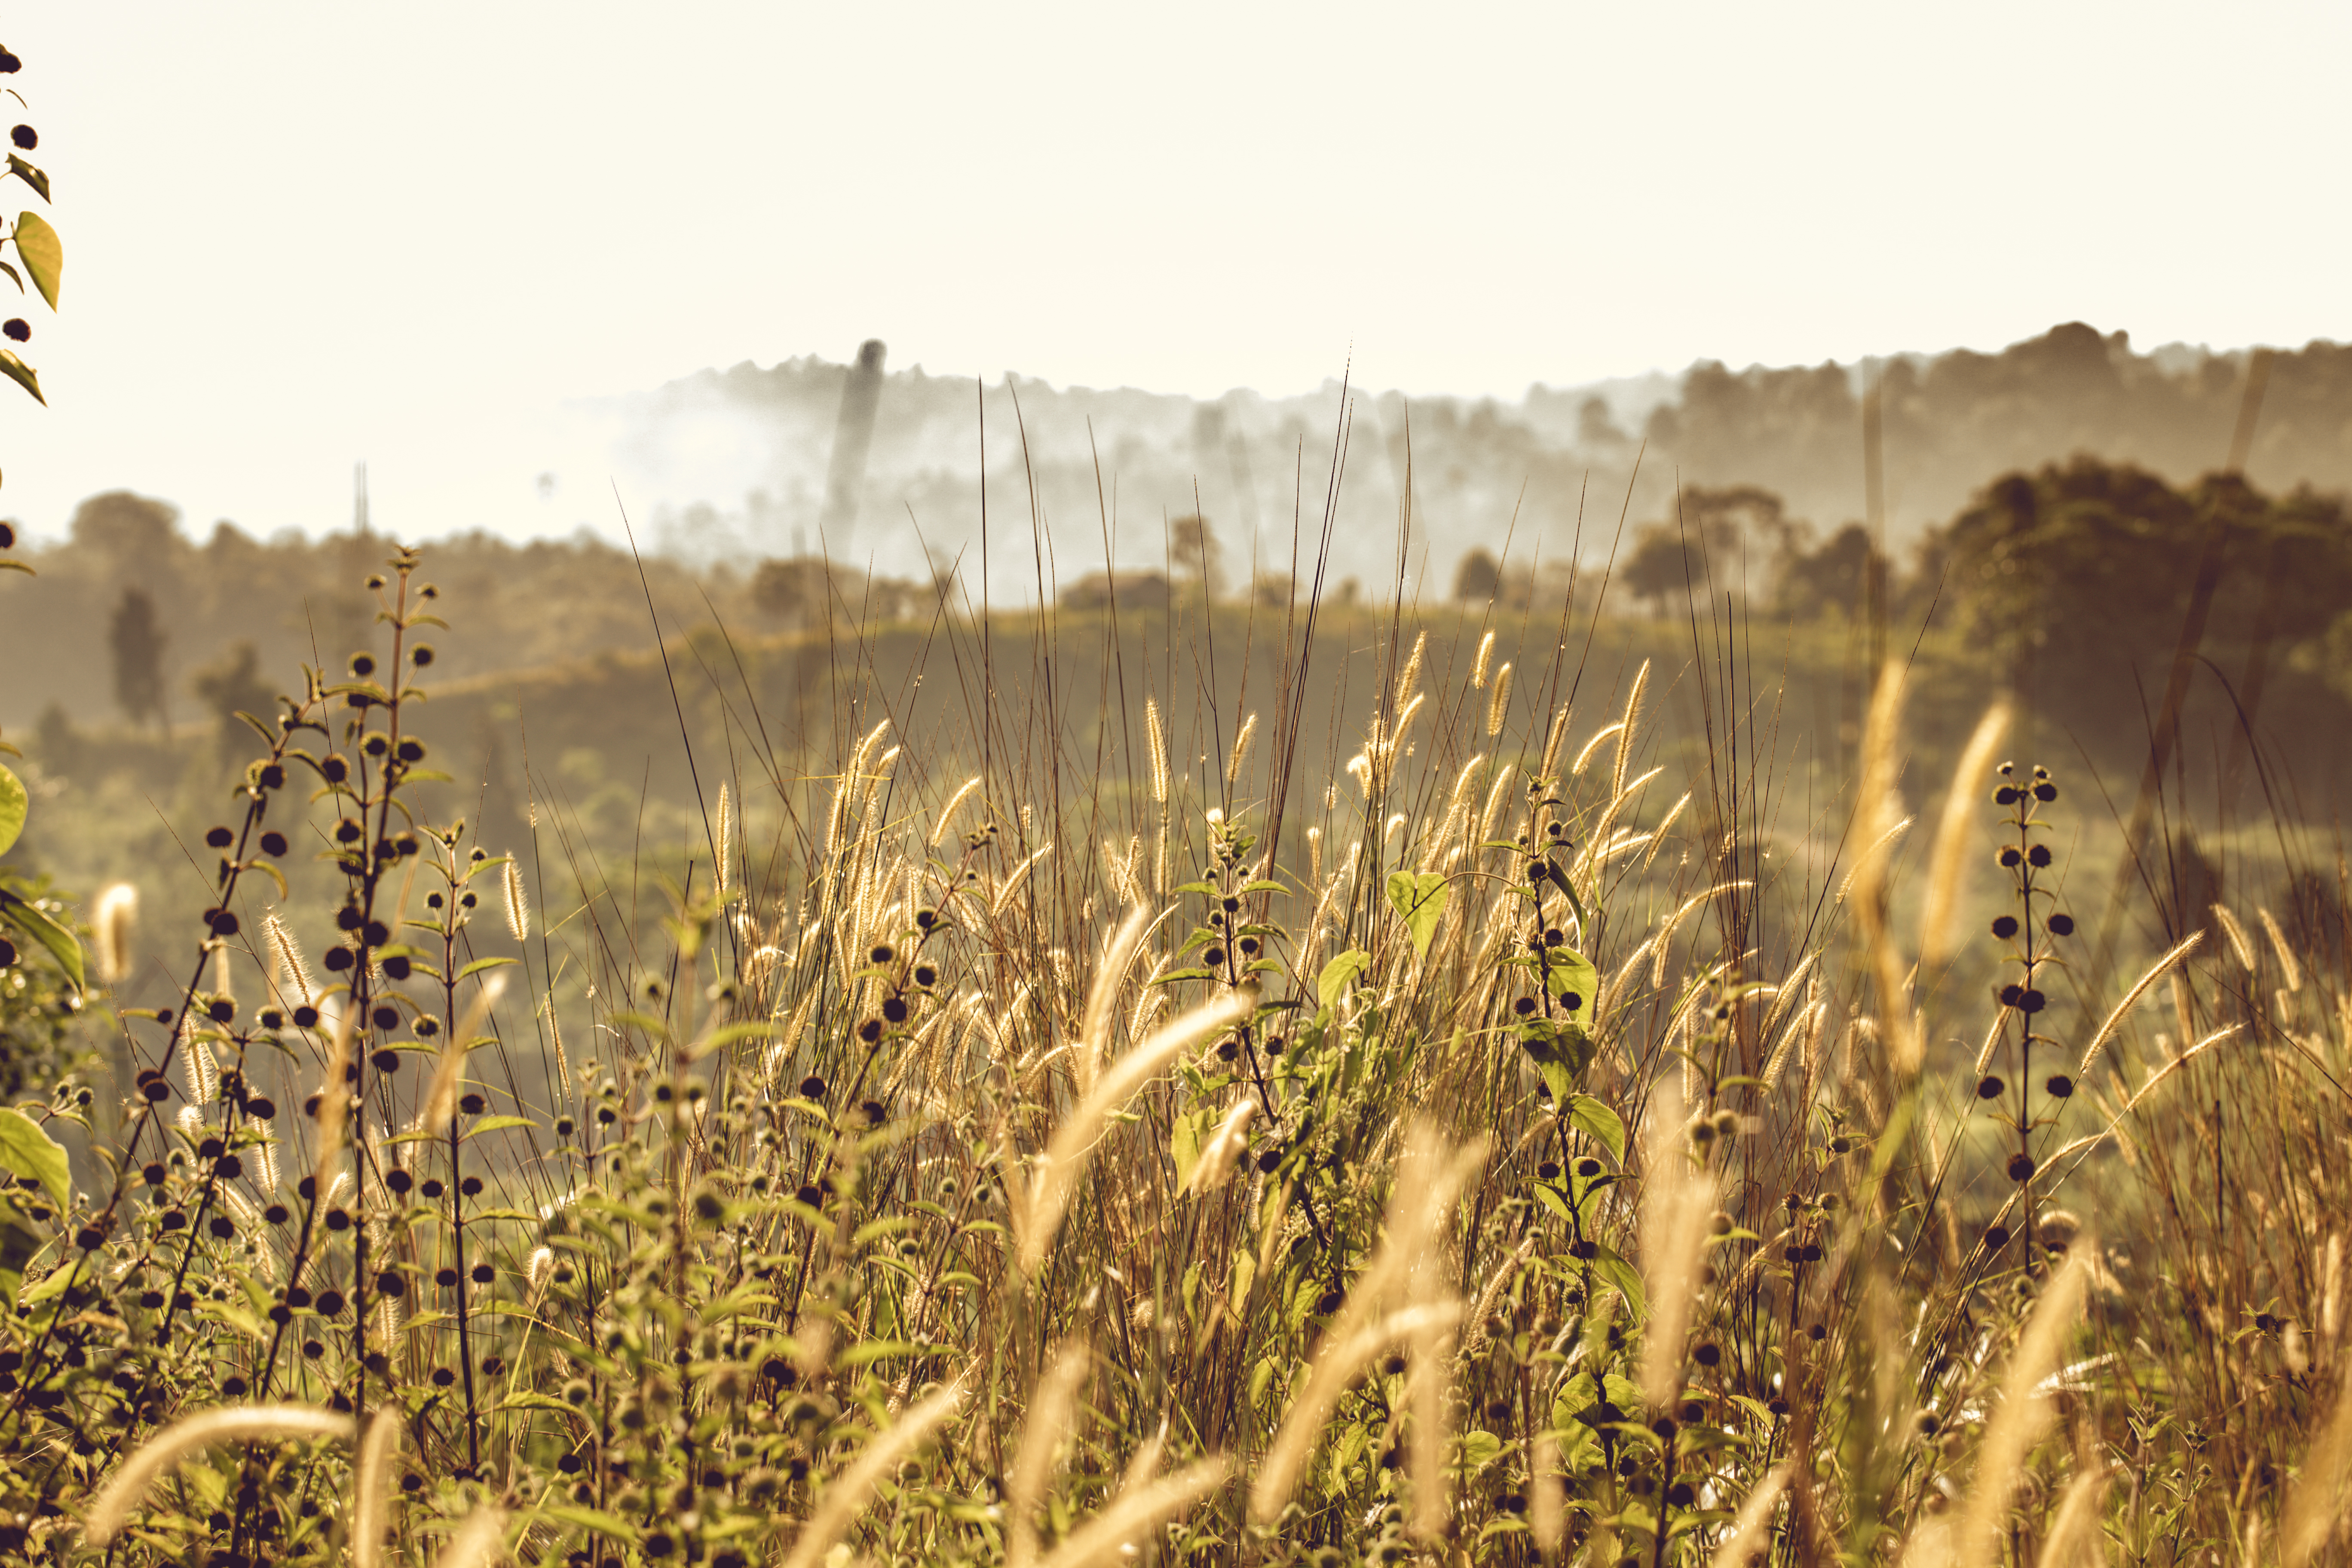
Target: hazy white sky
301 234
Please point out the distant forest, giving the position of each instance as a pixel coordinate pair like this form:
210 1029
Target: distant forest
746 460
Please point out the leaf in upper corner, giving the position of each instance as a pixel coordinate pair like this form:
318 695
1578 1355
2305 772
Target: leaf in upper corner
27 1150
23 375
1418 900
60 941
43 254
29 174
13 804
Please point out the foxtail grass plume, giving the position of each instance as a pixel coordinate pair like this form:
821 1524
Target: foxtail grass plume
1116 1534
371 1487
1479 665
946 812
2290 971
478 1542
293 971
1049 1419
449 1069
1248 733
1498 706
1223 1150
1751 1528
2023 1414
1882 812
1102 998
192 1435
845 1496
1157 739
1946 860
114 920
726 850
1065 1159
518 903
2243 950
2162 967
1677 1197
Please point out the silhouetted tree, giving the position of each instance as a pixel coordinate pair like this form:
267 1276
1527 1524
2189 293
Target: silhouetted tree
137 641
1478 579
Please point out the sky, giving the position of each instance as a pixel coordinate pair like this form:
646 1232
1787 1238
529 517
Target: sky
299 235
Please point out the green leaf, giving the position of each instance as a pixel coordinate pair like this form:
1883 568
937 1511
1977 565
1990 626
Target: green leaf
27 1150
14 276
44 931
29 174
481 963
1418 900
1588 1116
13 804
23 375
1338 976
43 254
1570 973
1615 1271
498 1124
1184 1140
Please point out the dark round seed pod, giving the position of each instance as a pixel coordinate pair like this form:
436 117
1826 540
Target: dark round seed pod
1228 1048
2032 1000
385 1017
1996 1237
871 1030
2009 857
331 1303
1269 1160
338 959
472 1104
397 967
1524 1007
882 952
811 1196
812 1087
1990 1087
925 975
2045 792
385 1060
220 837
2020 1167
25 137
307 1016
2004 926
1214 957
2061 925
1588 1167
484 1274
1549 1171
2060 1086
1329 1302
2039 855
471 1186
895 1009
1707 1353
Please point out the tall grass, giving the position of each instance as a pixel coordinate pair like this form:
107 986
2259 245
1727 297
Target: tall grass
1500 1149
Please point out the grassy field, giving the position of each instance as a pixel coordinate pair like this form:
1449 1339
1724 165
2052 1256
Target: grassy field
1300 1085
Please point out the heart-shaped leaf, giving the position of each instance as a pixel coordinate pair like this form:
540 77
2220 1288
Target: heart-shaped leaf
43 254
1419 899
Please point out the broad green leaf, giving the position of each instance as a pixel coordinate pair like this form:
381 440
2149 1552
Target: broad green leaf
43 254
13 804
23 375
481 963
498 1124
1570 973
1626 1280
27 1150
1419 900
1595 1119
1339 975
44 931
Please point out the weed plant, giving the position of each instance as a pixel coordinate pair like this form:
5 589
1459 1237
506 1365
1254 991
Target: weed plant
1493 1153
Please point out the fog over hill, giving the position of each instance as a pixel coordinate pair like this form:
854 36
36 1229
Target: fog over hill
737 462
